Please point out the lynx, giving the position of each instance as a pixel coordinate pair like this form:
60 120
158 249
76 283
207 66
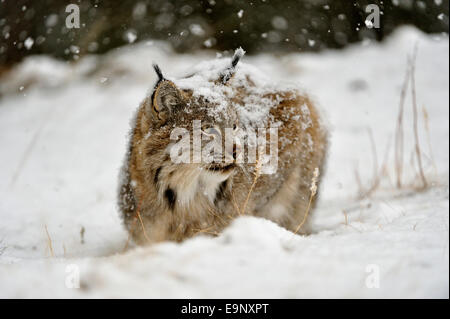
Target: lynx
161 199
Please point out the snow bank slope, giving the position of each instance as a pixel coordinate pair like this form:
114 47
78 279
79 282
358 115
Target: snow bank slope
63 144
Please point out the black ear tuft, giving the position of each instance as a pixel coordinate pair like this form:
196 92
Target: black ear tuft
158 72
238 54
229 72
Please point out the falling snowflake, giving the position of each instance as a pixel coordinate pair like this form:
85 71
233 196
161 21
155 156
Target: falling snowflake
196 29
28 43
130 36
369 24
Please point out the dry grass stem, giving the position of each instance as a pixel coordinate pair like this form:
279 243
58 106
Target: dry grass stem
376 178
399 135
142 225
416 118
206 231
129 233
313 190
358 181
127 243
202 230
49 242
426 120
384 167
417 156
345 217
211 211
236 207
255 179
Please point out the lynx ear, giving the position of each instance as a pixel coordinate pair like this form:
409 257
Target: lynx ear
165 99
231 69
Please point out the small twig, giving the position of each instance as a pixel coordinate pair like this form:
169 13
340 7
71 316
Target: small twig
399 130
374 155
346 217
49 242
142 225
427 129
236 207
376 179
211 211
358 181
415 117
255 179
384 167
204 230
313 190
305 215
129 233
82 231
127 243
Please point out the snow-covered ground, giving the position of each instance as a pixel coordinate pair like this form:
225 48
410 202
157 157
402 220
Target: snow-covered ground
63 136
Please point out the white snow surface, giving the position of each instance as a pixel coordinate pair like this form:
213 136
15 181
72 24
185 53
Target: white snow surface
63 136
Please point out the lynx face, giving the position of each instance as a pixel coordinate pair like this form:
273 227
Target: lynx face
183 113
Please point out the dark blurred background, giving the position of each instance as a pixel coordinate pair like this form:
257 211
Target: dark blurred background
38 27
